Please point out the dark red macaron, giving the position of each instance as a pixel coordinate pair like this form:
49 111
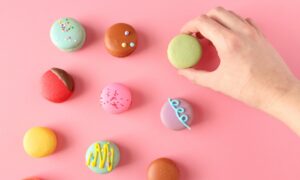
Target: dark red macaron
57 85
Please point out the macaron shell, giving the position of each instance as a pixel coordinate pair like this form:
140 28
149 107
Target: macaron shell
163 169
169 118
54 88
67 34
184 51
115 37
76 47
39 142
96 169
115 98
64 77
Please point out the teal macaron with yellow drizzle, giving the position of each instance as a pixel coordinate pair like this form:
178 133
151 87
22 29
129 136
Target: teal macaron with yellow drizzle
67 34
102 157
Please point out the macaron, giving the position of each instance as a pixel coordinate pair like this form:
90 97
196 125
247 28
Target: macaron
57 85
102 157
184 51
176 114
67 34
163 169
120 39
39 142
115 98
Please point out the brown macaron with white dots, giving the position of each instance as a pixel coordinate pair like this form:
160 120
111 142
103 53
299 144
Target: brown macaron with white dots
120 40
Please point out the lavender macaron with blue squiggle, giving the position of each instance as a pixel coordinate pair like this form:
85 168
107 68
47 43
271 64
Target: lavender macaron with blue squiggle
177 114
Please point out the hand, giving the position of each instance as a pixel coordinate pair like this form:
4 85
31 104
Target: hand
250 69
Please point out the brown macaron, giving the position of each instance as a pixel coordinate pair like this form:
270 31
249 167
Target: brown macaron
163 169
120 39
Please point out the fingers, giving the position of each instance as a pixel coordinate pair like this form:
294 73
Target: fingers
252 23
227 18
199 77
208 27
235 14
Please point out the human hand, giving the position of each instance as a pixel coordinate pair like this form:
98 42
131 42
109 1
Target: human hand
250 69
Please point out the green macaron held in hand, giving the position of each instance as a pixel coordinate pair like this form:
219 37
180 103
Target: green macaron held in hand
67 34
184 51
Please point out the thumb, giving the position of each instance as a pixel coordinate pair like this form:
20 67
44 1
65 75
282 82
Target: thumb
200 77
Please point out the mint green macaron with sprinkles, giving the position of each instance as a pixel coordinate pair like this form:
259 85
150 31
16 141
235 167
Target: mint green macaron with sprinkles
184 51
67 34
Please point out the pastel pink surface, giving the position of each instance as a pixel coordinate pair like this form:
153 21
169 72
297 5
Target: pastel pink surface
115 98
229 140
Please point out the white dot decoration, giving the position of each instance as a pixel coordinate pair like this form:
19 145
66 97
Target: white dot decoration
131 44
126 33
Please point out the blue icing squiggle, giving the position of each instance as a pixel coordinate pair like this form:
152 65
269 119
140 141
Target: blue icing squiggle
180 112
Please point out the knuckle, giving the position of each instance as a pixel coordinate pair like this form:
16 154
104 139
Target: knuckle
250 32
201 18
248 19
218 9
233 43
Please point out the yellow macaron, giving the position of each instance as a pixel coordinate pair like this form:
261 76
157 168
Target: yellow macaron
39 142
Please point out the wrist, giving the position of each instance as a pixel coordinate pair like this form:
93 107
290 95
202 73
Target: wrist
279 93
263 93
287 108
282 98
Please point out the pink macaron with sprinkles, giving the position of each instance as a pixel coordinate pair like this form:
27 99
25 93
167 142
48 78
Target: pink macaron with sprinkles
115 98
57 85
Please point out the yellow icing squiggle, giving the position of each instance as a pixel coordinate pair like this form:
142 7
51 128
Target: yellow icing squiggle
105 154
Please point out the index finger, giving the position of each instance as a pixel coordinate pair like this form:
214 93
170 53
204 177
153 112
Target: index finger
209 28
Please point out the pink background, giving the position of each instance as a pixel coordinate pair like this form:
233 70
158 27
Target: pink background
229 140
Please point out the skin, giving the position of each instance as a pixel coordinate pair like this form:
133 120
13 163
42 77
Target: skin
250 69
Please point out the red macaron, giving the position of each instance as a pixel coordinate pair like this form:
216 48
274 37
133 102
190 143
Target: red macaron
57 85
